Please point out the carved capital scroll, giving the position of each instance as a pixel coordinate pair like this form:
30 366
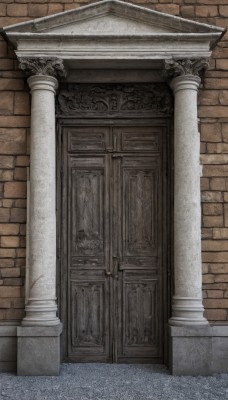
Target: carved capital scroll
185 66
42 66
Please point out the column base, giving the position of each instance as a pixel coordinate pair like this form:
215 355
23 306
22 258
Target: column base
190 350
38 350
187 311
41 313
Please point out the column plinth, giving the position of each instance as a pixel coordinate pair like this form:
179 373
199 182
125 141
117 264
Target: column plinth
41 306
187 307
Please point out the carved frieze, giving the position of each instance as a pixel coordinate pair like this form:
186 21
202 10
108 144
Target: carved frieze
42 66
186 66
113 99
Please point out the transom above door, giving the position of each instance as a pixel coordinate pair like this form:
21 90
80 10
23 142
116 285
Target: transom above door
113 230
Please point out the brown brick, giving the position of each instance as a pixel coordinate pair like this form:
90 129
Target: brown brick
9 241
215 315
217 148
14 121
14 314
203 147
225 194
12 141
213 83
211 132
20 203
18 215
22 103
213 286
22 161
13 281
9 291
215 170
7 253
6 262
4 215
15 189
221 278
2 10
6 162
226 215
222 64
18 303
220 233
204 184
223 97
15 10
215 245
211 197
187 11
213 112
223 11
55 8
168 8
208 278
10 272
215 294
9 229
212 209
216 303
206 233
209 97
7 203
11 84
219 268
5 303
38 10
6 175
213 257
21 253
209 11
20 174
6 103
22 229
217 184
205 268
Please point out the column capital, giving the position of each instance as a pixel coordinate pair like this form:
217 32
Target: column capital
185 67
42 66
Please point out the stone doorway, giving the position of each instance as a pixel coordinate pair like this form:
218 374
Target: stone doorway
114 228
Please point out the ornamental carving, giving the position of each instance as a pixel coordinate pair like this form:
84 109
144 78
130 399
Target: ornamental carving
186 66
113 99
42 66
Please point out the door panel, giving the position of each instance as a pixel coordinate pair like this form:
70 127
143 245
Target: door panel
114 273
88 240
137 194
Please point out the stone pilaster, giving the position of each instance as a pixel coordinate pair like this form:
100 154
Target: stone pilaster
187 308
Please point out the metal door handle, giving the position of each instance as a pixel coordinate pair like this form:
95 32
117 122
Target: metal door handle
108 273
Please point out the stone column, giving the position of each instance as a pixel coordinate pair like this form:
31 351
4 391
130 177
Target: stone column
187 308
41 303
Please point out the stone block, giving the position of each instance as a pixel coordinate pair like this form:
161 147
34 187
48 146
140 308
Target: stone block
215 315
14 10
8 348
12 141
217 183
211 197
220 233
22 103
9 229
215 257
9 241
212 221
220 349
190 350
215 245
38 351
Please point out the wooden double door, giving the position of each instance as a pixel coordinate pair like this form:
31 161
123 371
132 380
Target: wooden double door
114 247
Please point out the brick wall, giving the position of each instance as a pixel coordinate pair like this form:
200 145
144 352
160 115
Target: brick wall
14 157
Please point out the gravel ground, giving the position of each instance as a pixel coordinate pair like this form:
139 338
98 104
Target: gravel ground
112 382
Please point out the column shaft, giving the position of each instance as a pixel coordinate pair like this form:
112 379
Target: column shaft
41 307
187 302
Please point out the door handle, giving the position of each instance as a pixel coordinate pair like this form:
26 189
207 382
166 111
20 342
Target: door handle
108 273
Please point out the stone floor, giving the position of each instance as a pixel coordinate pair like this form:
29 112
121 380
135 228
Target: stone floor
112 382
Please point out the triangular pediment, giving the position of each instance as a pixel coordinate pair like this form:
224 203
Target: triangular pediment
111 17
